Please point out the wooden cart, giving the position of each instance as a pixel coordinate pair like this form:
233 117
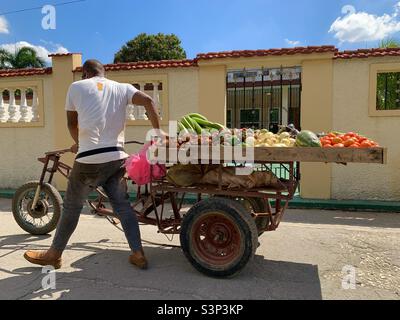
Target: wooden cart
219 233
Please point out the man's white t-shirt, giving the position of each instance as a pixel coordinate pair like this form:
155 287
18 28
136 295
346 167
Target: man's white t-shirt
101 106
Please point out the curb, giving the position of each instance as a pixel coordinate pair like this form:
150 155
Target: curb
297 203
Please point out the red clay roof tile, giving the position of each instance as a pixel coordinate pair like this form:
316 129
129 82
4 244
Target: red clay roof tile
24 72
367 53
62 54
148 65
270 52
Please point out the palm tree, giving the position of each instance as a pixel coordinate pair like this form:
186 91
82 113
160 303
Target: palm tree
24 57
389 43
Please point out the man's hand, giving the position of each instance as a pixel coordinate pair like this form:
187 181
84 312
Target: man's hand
161 139
75 148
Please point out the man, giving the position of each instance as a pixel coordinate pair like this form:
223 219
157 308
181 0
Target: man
96 112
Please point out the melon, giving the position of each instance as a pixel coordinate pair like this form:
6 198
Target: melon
308 138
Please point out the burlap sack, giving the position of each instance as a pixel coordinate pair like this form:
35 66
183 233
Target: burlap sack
184 175
230 180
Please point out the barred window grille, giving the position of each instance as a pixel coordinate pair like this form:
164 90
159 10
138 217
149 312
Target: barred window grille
388 91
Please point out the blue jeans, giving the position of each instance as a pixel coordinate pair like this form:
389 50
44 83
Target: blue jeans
83 179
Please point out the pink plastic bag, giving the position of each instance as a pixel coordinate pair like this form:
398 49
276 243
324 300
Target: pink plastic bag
141 171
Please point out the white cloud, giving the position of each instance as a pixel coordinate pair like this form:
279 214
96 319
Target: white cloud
362 26
293 43
41 51
4 25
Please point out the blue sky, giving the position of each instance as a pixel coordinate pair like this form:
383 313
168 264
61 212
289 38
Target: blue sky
98 28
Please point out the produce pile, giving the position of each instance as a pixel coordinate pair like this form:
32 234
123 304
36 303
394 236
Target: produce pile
195 129
347 140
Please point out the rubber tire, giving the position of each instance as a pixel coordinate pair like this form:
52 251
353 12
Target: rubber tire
57 203
258 206
246 226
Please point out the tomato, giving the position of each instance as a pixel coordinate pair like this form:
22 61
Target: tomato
362 139
355 145
351 134
332 135
337 140
366 144
328 146
349 142
338 145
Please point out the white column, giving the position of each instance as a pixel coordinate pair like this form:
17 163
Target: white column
130 109
3 110
35 105
24 109
141 109
156 97
12 108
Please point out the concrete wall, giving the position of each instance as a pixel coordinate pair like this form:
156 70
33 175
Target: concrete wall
20 146
351 106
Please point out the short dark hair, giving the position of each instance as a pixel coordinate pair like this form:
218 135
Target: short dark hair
93 67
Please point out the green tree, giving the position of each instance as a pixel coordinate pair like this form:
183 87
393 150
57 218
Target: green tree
389 43
151 48
24 57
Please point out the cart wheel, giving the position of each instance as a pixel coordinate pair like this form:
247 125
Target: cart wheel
254 205
42 219
218 237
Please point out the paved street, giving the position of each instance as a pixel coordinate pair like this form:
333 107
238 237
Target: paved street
304 259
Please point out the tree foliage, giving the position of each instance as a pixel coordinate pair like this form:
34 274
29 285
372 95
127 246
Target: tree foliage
151 48
24 57
389 43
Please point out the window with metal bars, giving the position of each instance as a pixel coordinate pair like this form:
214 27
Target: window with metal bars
388 91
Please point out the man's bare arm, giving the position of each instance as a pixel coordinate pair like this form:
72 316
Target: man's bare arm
142 99
72 120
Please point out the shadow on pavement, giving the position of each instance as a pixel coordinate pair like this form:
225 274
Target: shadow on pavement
105 273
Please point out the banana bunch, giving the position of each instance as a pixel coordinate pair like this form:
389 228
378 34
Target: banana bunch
197 123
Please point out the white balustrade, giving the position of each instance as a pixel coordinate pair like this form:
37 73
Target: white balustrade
3 109
24 108
130 110
35 105
135 112
13 109
12 112
141 111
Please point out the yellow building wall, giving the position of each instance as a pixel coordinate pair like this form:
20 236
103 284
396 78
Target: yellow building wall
212 92
351 113
335 96
21 146
316 115
63 77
